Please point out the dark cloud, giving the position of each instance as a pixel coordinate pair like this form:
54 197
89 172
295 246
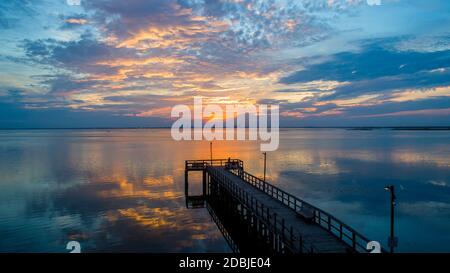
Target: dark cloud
306 107
374 61
16 94
80 56
17 115
394 107
291 90
39 48
388 113
377 68
309 107
419 80
84 51
66 83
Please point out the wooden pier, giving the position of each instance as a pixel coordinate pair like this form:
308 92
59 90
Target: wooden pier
278 221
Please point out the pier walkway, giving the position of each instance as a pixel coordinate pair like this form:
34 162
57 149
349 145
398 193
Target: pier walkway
285 223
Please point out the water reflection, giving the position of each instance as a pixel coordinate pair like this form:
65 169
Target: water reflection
123 190
111 193
243 233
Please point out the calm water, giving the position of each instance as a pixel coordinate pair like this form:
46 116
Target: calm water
123 190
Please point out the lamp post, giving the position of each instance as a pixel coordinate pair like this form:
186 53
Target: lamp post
265 157
392 241
210 152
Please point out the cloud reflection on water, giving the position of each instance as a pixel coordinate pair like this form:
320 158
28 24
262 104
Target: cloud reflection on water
123 190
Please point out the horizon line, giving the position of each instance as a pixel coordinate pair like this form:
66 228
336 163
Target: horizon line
283 127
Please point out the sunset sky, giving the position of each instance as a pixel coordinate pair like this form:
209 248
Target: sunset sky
110 63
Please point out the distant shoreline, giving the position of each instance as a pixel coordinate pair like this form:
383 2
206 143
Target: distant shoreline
354 128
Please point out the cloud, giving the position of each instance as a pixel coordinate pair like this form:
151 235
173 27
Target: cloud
17 115
81 55
377 68
430 208
314 112
139 57
12 11
391 107
420 80
243 25
65 84
152 24
74 21
374 60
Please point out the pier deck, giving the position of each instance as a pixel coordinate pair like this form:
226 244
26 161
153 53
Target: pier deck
287 223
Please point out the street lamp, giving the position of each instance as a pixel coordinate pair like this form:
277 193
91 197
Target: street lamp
210 152
392 241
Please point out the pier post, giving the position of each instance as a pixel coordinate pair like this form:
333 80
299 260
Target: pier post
204 182
186 182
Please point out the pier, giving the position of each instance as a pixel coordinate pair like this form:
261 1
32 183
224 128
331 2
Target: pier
256 216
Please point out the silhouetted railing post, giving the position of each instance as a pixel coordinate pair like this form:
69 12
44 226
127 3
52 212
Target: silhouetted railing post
353 240
204 182
265 158
186 182
291 239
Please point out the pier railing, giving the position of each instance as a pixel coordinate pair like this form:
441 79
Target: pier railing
342 231
291 239
201 164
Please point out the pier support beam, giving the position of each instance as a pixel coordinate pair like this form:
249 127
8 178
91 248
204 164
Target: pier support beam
186 182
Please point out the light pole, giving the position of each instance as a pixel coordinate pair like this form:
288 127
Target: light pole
210 151
392 241
265 157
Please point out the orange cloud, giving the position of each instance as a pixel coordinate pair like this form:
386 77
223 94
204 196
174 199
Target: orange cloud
76 21
162 74
137 62
179 36
161 112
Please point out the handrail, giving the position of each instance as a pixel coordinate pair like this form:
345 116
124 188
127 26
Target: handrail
336 227
290 238
201 164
